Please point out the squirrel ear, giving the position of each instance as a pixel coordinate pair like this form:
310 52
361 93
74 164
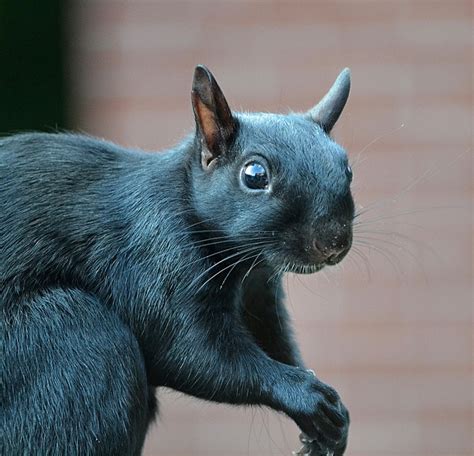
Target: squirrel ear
214 121
328 110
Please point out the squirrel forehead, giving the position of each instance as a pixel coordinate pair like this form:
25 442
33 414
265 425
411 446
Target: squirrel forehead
288 133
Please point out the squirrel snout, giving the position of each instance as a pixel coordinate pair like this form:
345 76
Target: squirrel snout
331 252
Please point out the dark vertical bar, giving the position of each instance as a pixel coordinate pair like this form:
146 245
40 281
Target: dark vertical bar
32 84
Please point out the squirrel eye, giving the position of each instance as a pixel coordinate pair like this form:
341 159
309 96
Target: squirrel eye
255 176
349 173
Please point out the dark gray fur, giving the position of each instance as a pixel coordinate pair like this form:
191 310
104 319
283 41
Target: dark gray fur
122 271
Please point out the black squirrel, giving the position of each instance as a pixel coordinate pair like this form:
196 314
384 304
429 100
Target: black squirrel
122 271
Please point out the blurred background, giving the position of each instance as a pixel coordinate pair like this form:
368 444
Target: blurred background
390 328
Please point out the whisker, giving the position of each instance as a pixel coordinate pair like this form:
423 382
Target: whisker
204 243
230 271
400 248
325 275
304 285
399 214
252 247
402 237
365 260
253 244
223 239
427 174
254 264
276 273
378 138
226 267
396 266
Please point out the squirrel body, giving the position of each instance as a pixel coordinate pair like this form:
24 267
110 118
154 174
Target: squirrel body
123 271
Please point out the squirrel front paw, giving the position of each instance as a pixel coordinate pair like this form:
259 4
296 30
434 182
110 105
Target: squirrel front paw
322 418
313 448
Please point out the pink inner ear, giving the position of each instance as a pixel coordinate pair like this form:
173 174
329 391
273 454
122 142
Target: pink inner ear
206 120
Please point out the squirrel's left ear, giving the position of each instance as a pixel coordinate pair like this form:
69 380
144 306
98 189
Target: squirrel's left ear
214 121
328 110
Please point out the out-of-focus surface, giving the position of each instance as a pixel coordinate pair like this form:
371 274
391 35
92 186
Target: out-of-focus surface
391 327
32 83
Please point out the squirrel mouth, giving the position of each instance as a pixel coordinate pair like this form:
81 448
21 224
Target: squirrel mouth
304 268
311 268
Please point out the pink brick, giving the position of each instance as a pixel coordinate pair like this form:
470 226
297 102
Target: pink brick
397 345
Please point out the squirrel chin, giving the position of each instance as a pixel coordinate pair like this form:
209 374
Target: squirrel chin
304 269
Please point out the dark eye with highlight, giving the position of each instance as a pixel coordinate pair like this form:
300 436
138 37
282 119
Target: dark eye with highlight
349 173
255 176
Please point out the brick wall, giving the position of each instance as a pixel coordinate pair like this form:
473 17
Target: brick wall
391 331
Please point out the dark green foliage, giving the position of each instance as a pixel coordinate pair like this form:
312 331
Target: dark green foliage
32 82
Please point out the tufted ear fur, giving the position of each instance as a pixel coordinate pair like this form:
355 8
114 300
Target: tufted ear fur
328 110
214 122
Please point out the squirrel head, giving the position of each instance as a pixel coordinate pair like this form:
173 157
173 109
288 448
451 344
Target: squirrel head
276 185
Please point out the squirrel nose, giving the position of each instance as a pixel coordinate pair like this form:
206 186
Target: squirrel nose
330 252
